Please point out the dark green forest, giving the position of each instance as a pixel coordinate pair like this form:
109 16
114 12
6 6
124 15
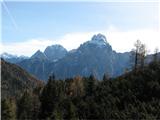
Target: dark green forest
134 95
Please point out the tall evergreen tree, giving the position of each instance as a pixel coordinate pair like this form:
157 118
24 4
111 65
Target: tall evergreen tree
70 110
25 106
48 98
90 85
8 109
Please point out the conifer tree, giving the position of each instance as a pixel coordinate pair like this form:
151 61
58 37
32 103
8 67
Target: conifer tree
90 85
8 109
48 98
25 106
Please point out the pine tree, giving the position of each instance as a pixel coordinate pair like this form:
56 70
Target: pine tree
8 110
57 114
48 98
25 106
70 110
36 106
90 85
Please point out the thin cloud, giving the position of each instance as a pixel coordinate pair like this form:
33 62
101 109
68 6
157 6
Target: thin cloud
123 41
120 41
26 48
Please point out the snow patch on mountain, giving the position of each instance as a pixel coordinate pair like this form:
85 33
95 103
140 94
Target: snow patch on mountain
99 39
8 56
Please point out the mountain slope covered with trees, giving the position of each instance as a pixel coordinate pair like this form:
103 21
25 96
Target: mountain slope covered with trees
15 80
134 95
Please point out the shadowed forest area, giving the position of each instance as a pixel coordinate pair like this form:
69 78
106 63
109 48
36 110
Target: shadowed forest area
133 95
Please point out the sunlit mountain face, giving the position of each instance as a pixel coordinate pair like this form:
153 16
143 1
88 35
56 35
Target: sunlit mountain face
95 56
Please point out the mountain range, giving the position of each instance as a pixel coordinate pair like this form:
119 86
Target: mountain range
95 57
13 58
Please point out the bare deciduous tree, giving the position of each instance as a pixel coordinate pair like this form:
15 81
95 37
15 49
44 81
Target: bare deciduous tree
137 49
138 54
155 58
142 54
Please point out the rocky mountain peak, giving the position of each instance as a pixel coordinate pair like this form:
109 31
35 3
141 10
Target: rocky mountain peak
39 55
55 52
99 39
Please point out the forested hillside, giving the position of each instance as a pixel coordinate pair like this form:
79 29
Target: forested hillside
15 80
134 95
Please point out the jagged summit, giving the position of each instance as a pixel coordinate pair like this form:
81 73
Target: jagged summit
55 47
55 52
12 58
7 55
99 39
92 57
39 55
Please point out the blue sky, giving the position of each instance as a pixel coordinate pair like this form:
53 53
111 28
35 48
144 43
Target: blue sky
53 21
